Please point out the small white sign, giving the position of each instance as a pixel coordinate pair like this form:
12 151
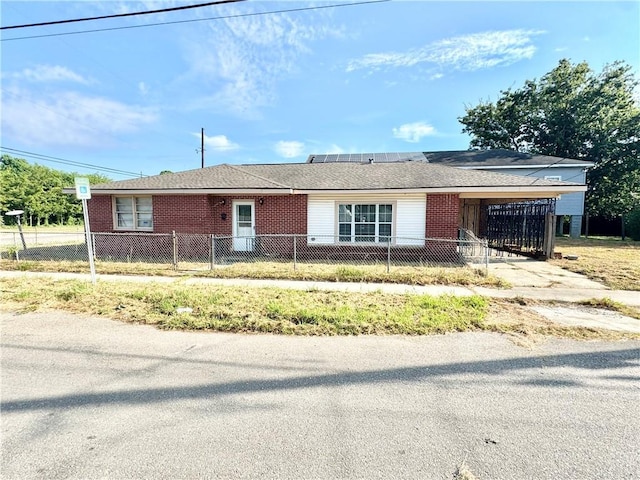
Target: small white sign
83 190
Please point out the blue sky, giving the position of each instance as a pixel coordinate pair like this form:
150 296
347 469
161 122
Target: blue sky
274 88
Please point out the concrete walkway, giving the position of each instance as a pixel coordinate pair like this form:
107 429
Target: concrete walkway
531 279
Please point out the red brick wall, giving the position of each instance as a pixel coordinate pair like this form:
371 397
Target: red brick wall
182 214
443 211
100 216
277 215
203 213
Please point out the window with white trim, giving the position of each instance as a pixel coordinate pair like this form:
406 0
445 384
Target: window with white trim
133 213
554 177
359 222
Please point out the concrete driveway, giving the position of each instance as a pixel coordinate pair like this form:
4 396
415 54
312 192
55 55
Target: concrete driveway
93 398
522 271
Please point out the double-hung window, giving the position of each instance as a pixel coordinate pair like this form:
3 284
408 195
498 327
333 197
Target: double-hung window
133 213
364 222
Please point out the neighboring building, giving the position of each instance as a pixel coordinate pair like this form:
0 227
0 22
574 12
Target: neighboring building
330 203
500 161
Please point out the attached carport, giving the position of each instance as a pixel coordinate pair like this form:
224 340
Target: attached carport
523 223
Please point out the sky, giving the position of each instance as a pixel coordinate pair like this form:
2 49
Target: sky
390 76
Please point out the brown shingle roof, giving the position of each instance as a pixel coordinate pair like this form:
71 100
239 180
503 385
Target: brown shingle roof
325 176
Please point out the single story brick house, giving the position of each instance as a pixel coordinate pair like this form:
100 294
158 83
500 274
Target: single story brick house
331 204
499 161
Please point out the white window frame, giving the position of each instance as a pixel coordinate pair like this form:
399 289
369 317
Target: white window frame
134 213
556 178
378 238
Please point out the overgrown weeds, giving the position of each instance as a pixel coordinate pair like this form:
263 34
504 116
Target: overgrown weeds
236 309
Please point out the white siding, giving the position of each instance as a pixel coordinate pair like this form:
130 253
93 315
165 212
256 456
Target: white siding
411 214
408 216
320 220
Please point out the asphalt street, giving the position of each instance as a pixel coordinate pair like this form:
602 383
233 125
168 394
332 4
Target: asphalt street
93 398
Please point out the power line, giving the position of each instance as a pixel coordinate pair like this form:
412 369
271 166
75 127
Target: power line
131 14
63 161
240 15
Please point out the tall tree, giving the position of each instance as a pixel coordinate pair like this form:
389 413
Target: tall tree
572 112
37 190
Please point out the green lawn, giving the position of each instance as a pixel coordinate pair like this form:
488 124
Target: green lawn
239 309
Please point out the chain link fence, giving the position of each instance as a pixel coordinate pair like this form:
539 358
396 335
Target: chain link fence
182 251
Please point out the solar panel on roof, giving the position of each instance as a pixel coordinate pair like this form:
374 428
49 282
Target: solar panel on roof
382 157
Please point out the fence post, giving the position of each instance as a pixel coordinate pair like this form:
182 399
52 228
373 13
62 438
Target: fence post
388 254
295 253
486 256
93 244
175 250
213 251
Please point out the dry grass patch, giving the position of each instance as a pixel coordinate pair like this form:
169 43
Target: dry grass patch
82 266
615 263
609 304
275 270
411 275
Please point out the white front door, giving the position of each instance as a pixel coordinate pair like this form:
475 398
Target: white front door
244 226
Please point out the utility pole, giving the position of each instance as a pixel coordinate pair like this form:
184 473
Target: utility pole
202 145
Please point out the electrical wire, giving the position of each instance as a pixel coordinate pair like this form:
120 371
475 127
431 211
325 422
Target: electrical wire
130 14
63 161
240 15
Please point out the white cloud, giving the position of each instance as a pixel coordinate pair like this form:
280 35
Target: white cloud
143 89
243 59
68 119
436 76
48 73
413 132
289 149
218 142
468 52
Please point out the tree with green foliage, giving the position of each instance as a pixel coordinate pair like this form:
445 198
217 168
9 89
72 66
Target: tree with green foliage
572 112
37 190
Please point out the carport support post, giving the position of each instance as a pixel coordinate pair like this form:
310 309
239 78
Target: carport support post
549 237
